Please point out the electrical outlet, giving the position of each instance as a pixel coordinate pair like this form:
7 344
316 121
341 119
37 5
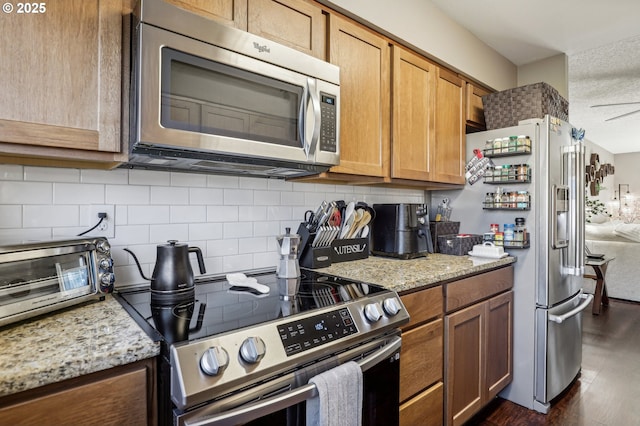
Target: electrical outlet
107 227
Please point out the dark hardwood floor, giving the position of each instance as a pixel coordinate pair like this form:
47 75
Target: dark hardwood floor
607 392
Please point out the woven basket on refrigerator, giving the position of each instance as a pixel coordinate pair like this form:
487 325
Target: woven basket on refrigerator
508 107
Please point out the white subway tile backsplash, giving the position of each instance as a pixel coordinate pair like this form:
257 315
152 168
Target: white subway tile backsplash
127 194
279 213
252 245
188 214
50 216
222 213
222 247
234 220
11 216
147 215
237 230
205 231
216 181
238 197
149 177
11 172
252 213
163 233
25 193
77 193
166 195
51 174
188 179
240 262
206 196
130 234
114 177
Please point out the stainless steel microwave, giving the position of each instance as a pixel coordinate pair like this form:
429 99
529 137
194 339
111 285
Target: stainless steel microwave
214 99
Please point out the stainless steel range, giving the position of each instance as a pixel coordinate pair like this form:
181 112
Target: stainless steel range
246 357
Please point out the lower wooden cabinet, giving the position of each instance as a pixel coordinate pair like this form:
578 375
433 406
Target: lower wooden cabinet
478 346
421 362
119 396
424 409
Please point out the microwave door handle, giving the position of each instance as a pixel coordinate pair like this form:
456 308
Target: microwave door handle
261 408
310 93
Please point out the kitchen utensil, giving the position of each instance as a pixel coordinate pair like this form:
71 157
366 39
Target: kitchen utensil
172 272
365 232
241 280
362 222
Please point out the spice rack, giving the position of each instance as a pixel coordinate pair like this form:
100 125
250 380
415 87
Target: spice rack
505 147
508 174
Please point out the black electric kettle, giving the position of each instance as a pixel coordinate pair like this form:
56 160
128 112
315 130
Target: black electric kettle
172 272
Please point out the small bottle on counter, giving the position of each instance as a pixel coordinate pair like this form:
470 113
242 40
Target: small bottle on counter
509 231
498 239
494 228
520 231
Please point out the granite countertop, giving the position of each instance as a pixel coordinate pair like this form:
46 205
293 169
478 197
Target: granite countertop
70 343
402 275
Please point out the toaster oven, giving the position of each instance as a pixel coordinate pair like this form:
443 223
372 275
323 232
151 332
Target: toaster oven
40 277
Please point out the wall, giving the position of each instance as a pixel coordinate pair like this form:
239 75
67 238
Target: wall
553 71
234 220
424 26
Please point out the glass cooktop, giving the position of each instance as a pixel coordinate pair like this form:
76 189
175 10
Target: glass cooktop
218 307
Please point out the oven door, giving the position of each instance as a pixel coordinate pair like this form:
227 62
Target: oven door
196 96
282 402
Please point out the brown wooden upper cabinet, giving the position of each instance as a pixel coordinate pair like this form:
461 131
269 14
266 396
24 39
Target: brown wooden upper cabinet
450 128
475 109
413 116
294 23
60 81
364 61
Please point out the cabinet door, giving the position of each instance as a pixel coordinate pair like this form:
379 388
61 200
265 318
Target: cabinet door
119 396
232 13
450 128
475 109
60 77
294 23
364 61
421 359
465 363
499 343
424 409
413 121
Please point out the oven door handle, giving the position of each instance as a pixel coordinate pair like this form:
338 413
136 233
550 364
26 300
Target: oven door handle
259 409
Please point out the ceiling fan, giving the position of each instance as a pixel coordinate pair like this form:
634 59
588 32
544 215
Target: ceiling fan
616 104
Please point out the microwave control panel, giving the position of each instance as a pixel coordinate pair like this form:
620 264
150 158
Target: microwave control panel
329 120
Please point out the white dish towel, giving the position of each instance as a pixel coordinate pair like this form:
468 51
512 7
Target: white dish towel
339 400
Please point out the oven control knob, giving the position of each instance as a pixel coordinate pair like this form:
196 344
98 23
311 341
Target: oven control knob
214 360
252 350
373 312
391 306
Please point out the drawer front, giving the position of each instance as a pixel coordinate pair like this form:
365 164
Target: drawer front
423 305
424 409
467 291
421 358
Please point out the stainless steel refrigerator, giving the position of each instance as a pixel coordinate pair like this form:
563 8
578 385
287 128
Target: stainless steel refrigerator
548 299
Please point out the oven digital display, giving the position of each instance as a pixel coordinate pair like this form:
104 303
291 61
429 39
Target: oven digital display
308 333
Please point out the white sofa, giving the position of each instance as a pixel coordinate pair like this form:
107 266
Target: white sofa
621 241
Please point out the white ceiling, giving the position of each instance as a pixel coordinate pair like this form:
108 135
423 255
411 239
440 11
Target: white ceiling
601 39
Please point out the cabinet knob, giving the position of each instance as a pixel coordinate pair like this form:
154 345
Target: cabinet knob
214 360
252 350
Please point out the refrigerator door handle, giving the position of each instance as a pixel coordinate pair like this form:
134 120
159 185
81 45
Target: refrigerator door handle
574 175
581 307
